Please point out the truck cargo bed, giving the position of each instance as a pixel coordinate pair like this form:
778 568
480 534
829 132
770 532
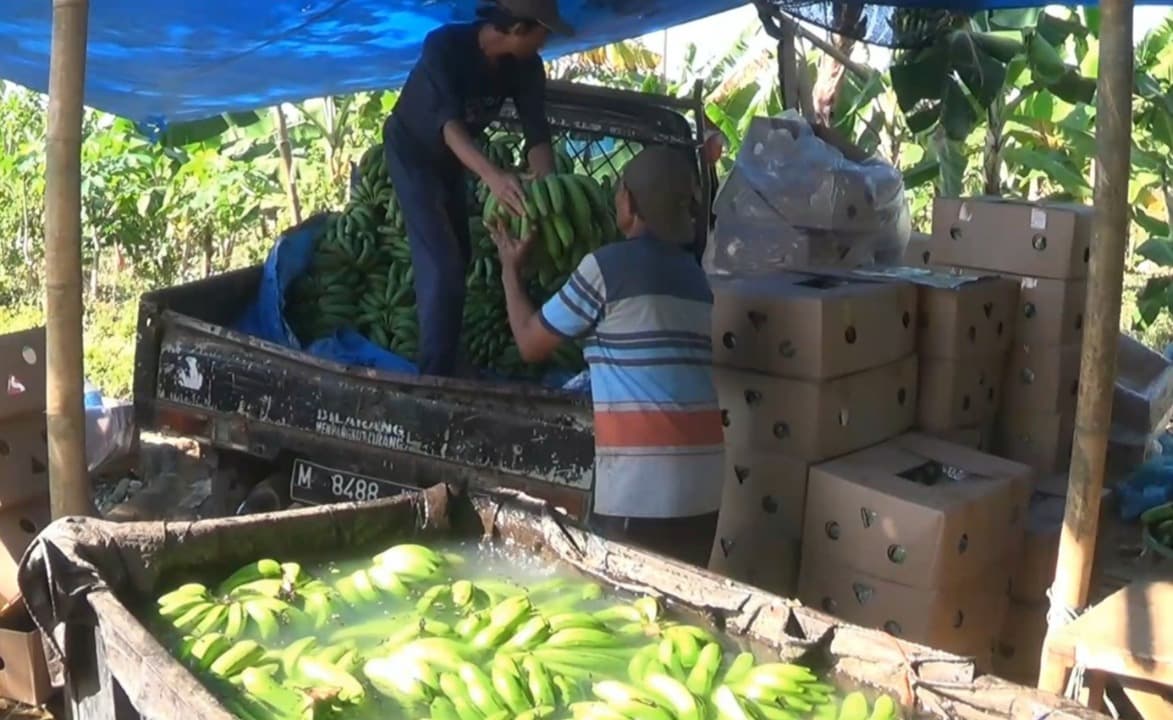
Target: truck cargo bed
82 576
344 433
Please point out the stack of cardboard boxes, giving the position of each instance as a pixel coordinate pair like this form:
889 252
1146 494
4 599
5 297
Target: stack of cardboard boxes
915 536
809 367
1045 248
964 332
24 508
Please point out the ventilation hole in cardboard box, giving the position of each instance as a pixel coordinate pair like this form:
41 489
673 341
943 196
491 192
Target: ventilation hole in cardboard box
36 466
906 319
850 335
786 349
990 394
28 526
999 329
725 418
726 546
1075 387
832 530
3 449
844 417
925 256
781 430
1039 242
988 309
741 473
971 334
868 517
893 628
1079 321
901 396
829 605
1029 310
958 619
752 397
897 554
963 544
851 211
1087 255
965 403
769 505
15 386
729 340
757 319
955 233
1027 376
29 355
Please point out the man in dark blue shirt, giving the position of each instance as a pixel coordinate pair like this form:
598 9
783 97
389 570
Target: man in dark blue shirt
464 74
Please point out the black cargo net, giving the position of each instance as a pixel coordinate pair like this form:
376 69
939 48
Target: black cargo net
894 27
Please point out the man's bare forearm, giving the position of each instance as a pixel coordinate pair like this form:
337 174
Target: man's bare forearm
541 159
466 151
522 316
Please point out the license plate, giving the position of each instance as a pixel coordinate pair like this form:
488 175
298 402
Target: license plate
320 485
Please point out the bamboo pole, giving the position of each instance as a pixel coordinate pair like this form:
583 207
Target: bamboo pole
287 164
65 412
1105 284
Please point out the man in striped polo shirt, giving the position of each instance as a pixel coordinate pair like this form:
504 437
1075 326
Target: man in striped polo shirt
643 306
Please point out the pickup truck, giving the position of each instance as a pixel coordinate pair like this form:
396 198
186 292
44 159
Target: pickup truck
322 432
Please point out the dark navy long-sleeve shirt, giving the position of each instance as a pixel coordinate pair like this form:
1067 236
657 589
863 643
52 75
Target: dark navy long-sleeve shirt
453 80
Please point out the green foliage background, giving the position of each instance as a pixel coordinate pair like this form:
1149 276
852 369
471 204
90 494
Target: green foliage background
1001 104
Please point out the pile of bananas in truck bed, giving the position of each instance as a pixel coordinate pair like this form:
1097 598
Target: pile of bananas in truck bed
412 635
361 273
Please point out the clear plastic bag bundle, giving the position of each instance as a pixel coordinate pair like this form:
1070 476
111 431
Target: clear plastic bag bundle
793 200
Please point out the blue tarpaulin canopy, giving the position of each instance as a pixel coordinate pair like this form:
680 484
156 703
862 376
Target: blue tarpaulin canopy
190 59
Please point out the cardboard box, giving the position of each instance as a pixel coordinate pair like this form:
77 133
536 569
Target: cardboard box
24 675
965 619
22 369
959 393
917 511
1035 571
811 326
959 313
769 562
1042 380
1143 396
1020 644
813 421
764 493
1041 440
1050 312
24 458
18 527
917 252
1010 236
974 438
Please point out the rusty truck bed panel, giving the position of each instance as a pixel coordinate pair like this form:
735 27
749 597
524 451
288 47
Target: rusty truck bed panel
82 575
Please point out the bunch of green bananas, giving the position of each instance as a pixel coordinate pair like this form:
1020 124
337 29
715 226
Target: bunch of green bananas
451 648
361 275
569 215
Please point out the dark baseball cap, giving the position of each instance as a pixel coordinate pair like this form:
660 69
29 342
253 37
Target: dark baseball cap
662 182
544 12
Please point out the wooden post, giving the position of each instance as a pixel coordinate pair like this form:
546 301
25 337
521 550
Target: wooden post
1105 284
69 480
287 164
